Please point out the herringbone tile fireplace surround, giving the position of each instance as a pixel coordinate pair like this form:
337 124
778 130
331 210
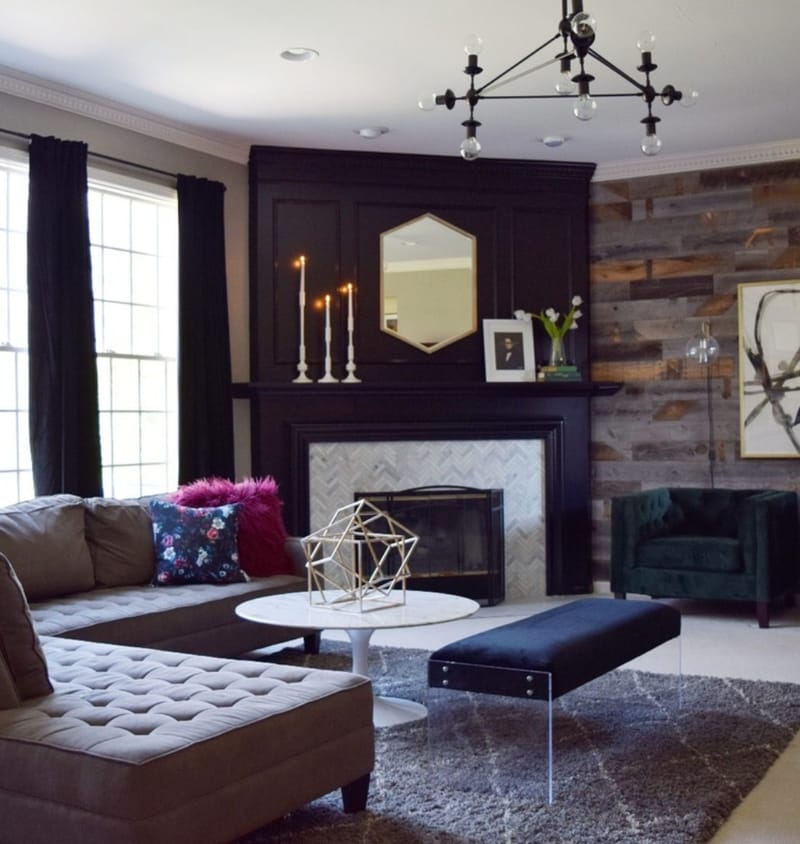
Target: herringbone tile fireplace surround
338 469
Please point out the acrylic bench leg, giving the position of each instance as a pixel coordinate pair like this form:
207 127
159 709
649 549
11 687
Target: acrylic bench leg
354 795
550 740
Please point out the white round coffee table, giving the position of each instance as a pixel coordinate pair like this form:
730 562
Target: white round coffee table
296 609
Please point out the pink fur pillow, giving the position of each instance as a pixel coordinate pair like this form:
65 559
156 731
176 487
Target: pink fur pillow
262 533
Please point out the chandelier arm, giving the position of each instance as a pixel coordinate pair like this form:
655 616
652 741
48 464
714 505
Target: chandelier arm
518 63
611 66
549 96
523 74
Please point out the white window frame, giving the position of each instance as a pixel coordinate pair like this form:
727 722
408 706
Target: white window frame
139 453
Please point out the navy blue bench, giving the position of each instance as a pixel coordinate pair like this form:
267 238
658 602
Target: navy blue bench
548 654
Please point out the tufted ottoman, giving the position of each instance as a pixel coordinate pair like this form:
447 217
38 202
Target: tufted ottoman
138 745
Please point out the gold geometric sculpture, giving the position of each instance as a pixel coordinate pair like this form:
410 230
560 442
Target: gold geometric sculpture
361 555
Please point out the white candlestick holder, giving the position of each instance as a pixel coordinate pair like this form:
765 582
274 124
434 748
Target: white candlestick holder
302 366
328 378
350 366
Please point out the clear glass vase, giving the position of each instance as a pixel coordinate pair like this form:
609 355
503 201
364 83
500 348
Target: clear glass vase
557 357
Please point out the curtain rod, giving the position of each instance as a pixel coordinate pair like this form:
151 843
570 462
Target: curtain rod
100 155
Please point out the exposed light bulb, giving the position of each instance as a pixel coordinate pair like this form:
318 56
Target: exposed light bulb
473 45
689 98
565 85
703 348
583 25
646 42
470 149
651 145
585 107
427 102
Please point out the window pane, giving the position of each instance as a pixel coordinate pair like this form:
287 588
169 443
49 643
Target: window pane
8 436
125 432
154 444
116 221
153 385
125 384
103 382
18 319
144 227
8 378
117 328
145 331
15 479
18 201
144 280
116 275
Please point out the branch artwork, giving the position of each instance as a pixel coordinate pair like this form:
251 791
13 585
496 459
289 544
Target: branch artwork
769 369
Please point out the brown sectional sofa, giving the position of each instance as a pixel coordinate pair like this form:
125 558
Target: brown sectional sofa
86 566
149 735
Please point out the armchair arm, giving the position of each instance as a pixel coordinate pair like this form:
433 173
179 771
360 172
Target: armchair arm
633 518
769 535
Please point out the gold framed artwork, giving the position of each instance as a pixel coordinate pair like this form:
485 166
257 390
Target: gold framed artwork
508 350
769 368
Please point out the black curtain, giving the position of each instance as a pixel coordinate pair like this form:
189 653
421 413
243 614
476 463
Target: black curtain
205 399
64 424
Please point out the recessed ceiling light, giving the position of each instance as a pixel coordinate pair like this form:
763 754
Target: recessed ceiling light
554 141
371 132
299 54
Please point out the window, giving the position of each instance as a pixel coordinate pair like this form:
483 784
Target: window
134 241
16 476
134 237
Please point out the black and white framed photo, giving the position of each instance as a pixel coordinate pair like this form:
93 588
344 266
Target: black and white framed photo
769 368
508 350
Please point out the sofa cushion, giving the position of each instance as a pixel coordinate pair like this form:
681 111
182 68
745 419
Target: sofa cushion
9 697
149 746
262 533
46 540
195 544
691 553
120 538
197 618
19 645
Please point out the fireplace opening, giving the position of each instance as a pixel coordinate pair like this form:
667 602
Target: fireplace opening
461 547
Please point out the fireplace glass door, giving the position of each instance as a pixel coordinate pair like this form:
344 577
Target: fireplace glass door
461 548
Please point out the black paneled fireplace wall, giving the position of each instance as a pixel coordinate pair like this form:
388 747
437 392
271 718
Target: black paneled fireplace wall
530 221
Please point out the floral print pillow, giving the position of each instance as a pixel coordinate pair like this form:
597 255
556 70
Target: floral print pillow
195 544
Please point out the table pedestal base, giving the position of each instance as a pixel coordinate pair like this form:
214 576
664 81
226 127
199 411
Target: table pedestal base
386 711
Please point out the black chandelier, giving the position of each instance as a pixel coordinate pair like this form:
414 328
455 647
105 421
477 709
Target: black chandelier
577 31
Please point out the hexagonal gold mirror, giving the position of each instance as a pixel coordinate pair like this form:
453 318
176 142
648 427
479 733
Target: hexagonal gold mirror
428 283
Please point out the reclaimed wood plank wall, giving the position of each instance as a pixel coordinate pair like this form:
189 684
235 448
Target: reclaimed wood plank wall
667 253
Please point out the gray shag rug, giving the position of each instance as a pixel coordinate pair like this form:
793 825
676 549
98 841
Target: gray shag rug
630 767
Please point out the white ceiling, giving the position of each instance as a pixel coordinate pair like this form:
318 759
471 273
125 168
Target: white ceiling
213 69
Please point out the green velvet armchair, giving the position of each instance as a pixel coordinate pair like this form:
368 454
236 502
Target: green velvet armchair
707 543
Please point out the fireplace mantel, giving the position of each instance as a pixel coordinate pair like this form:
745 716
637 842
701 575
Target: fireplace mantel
404 389
288 418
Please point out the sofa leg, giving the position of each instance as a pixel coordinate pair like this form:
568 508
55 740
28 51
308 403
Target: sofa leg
354 795
762 613
311 642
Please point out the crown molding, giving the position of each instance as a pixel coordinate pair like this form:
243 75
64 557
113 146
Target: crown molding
730 157
37 91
